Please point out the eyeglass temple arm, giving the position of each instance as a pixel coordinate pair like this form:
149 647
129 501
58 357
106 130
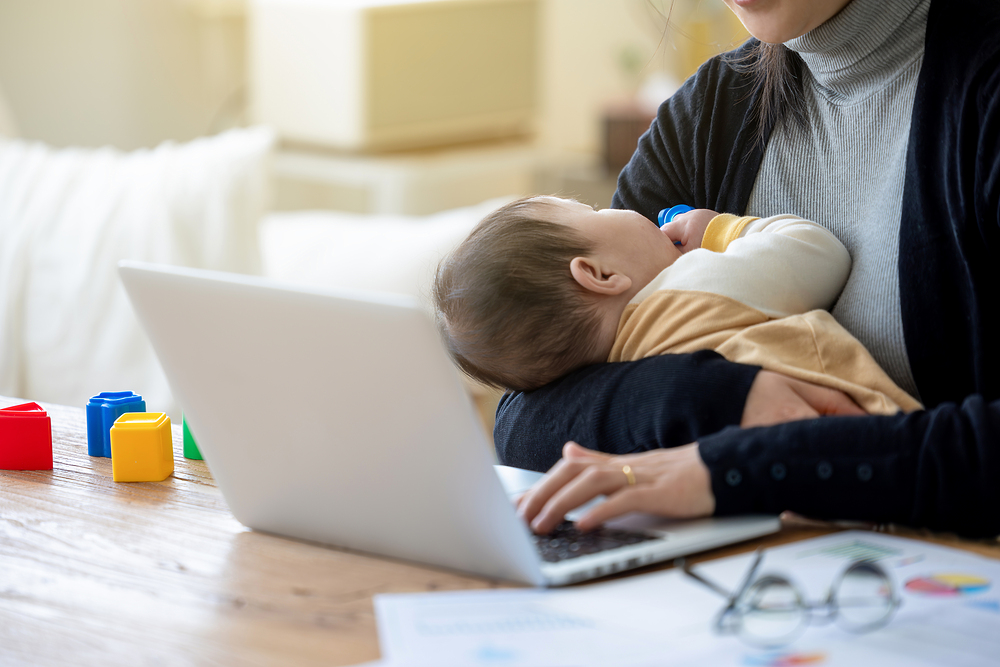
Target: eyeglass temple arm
711 584
751 573
716 587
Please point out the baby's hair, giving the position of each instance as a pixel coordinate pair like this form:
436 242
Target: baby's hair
510 311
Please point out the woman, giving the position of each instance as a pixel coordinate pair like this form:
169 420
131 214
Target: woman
881 120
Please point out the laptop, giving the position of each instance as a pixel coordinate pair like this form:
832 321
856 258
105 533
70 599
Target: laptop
337 417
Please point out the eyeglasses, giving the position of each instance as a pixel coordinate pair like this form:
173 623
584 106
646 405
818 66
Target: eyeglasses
770 611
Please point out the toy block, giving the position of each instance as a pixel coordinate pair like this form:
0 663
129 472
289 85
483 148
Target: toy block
191 450
25 438
142 449
102 411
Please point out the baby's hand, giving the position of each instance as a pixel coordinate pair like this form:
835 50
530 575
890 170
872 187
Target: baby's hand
689 228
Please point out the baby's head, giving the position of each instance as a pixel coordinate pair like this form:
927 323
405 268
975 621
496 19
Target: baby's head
538 287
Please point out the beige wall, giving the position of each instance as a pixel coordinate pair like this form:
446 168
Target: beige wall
588 43
123 72
135 72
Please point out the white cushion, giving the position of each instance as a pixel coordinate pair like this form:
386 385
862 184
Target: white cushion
68 216
390 253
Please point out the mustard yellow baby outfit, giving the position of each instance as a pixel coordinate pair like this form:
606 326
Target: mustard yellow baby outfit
757 292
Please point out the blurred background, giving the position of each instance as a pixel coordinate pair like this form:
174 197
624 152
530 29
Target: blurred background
361 120
134 73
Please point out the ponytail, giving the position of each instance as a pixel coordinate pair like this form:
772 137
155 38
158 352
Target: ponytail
776 71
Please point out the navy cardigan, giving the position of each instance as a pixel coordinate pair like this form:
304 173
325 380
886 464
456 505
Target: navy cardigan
938 468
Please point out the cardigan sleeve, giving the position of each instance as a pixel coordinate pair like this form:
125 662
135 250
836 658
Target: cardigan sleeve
936 469
619 408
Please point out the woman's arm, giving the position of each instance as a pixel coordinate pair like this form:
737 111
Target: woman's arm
625 407
654 403
935 469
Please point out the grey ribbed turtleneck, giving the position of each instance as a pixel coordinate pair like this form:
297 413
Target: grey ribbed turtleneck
846 171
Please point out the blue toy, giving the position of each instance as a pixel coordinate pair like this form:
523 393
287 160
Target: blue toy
668 214
102 411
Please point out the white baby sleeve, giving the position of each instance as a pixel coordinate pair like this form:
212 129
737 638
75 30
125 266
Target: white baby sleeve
781 265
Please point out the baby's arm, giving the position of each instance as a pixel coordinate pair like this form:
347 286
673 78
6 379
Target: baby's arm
781 265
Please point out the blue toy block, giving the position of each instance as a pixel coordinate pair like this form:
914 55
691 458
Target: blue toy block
102 411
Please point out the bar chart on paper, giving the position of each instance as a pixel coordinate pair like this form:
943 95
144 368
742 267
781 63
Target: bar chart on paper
948 584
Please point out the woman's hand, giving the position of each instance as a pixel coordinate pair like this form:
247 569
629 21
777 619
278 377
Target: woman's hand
775 398
689 228
672 483
667 482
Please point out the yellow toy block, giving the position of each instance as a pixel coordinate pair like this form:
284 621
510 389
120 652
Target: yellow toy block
141 447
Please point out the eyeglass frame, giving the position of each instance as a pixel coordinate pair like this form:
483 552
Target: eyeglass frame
730 619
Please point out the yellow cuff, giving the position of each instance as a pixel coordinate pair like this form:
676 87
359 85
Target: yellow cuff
723 230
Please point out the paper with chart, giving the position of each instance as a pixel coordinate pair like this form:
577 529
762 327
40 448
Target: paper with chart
950 615
505 627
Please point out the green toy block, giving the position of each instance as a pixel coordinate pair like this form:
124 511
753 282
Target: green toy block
190 446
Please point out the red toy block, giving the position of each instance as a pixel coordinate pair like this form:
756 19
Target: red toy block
25 438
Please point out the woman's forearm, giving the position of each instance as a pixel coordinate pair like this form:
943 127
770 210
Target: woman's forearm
620 408
936 469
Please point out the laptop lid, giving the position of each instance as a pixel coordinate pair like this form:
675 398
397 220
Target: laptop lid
334 417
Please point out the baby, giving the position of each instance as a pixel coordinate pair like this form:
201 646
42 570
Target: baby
543 286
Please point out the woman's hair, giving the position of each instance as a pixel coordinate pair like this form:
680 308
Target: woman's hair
776 72
776 80
510 311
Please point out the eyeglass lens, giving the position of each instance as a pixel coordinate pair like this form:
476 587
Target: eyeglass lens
864 598
773 612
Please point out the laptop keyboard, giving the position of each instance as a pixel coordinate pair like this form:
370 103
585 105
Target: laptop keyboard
566 541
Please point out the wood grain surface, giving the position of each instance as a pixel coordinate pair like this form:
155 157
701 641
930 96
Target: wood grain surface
94 572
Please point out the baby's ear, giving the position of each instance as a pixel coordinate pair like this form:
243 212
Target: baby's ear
592 277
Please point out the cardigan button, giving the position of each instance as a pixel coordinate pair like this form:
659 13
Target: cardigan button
778 471
824 470
864 472
733 477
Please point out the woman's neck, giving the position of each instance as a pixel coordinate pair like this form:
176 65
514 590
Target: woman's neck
858 50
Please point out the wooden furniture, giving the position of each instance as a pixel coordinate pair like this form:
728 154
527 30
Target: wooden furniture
98 573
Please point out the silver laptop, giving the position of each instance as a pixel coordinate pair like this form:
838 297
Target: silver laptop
337 417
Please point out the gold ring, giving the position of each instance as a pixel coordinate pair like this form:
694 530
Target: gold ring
629 475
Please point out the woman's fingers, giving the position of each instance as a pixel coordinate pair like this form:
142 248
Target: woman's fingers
775 398
627 500
827 401
575 452
597 479
575 459
772 400
673 483
668 482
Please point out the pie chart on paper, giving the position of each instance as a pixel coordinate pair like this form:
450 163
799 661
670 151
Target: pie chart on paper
947 584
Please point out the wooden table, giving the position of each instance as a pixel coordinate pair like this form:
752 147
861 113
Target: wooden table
98 573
